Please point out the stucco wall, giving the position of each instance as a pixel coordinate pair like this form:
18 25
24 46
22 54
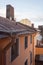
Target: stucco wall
3 43
23 53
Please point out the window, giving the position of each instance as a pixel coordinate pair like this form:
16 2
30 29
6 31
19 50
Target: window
26 42
30 57
30 38
15 50
41 57
26 62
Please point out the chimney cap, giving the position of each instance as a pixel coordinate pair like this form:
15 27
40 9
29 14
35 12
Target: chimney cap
9 5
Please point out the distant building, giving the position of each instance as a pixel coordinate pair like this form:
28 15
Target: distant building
41 31
26 22
39 46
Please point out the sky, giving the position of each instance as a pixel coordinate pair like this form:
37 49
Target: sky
30 9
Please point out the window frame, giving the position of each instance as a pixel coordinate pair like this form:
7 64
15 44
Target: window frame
26 44
18 51
31 39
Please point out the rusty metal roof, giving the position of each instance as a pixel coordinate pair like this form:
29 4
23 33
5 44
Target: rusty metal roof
14 27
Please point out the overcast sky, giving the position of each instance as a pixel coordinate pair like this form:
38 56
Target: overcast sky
31 9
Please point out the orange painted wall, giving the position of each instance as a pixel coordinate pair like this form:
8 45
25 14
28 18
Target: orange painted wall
23 53
3 43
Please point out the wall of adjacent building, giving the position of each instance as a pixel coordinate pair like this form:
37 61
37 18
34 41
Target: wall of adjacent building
39 51
35 42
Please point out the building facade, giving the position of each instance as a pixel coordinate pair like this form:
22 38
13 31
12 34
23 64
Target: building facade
16 43
26 22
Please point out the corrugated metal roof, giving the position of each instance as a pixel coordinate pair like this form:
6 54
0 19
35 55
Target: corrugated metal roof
8 27
13 27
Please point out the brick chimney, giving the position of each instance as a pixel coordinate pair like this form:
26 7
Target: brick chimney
10 12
